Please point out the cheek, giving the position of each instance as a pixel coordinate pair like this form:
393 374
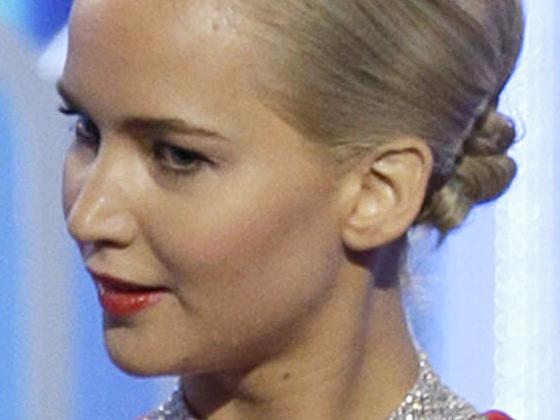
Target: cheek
261 244
250 276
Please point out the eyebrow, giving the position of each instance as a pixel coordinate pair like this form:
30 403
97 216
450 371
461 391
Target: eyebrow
146 125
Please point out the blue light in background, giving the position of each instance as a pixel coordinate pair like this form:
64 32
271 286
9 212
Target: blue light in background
40 20
8 347
12 12
46 17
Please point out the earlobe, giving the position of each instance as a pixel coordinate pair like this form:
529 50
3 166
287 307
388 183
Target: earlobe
385 193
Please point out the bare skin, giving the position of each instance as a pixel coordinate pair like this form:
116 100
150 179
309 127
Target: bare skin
266 249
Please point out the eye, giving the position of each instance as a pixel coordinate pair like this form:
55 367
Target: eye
178 159
83 128
86 132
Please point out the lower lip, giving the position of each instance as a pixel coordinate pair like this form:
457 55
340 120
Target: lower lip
119 303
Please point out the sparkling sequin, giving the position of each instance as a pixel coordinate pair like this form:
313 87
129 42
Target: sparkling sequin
429 399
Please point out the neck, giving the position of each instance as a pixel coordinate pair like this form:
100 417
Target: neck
354 360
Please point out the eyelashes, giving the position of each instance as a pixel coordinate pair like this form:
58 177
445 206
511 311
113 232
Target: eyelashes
83 128
168 156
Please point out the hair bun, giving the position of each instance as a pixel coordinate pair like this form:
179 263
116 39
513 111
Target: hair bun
492 134
483 172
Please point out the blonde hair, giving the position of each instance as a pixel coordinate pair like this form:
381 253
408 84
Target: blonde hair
355 73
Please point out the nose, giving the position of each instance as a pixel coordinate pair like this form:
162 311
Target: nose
100 212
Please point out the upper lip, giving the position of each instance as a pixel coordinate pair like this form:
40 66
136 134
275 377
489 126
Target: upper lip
115 283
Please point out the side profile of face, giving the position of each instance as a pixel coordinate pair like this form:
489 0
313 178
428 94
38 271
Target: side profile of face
179 179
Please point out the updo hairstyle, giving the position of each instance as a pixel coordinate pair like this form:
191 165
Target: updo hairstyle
356 73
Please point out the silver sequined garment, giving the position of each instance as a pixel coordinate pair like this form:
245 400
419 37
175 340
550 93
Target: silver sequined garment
429 399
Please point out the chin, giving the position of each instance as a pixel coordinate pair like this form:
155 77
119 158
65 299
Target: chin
141 351
134 369
137 357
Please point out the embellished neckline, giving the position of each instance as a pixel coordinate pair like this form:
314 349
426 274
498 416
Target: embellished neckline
429 399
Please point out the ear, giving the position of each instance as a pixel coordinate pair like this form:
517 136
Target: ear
383 193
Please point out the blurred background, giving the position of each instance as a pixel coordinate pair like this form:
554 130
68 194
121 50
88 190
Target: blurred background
485 306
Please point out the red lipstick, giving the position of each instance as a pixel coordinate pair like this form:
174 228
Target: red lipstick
121 298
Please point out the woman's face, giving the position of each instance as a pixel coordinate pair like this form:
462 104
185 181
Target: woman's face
179 179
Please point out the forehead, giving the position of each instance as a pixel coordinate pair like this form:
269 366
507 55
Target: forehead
144 29
153 17
136 44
